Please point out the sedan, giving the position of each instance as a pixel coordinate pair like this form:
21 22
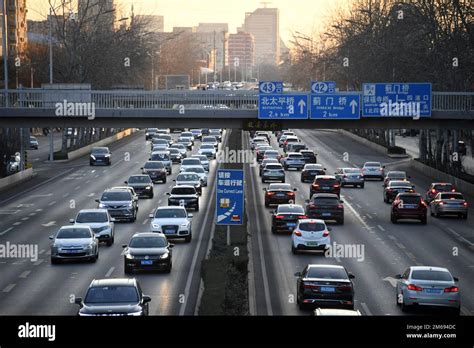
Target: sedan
175 155
204 161
208 150
74 243
449 203
394 188
326 206
142 184
173 222
260 151
199 170
310 171
286 216
279 194
373 170
325 184
273 172
34 145
309 156
266 161
428 286
189 179
147 251
181 148
185 196
293 160
156 170
350 176
310 234
99 221
325 285
395 175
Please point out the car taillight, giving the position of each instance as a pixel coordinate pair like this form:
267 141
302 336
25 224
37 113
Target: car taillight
290 193
453 190
298 233
381 168
280 216
270 193
441 203
325 234
315 185
340 206
451 289
389 190
465 204
308 286
424 203
311 205
344 287
433 191
302 217
335 185
414 287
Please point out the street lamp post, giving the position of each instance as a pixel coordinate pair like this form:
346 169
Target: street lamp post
4 49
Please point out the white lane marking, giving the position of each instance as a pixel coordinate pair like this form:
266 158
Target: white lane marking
366 308
42 251
39 210
370 216
39 262
25 218
31 214
8 212
391 237
159 202
109 272
77 188
411 256
358 205
93 171
400 245
52 203
16 223
381 228
88 181
9 288
92 194
459 236
6 231
49 224
24 274
65 195
145 222
41 196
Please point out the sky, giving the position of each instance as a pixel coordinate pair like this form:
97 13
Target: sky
305 16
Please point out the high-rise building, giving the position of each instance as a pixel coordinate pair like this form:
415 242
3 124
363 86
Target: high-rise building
16 28
264 25
213 38
106 9
242 50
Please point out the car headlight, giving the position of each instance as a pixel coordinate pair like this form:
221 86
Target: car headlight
102 205
88 246
148 188
129 256
107 155
184 224
93 157
164 256
135 314
129 205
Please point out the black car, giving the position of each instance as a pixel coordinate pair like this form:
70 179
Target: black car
310 171
325 184
309 156
325 206
150 133
286 216
142 184
184 195
395 187
100 155
147 251
156 170
115 297
325 285
279 194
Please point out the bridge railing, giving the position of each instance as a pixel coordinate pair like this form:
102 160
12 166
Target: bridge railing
125 99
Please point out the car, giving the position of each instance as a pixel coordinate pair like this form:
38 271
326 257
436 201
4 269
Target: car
189 162
208 150
395 187
186 141
325 206
449 203
165 158
156 170
264 162
421 286
309 156
100 155
373 170
204 161
181 148
199 170
310 234
409 206
438 187
184 195
210 139
279 194
188 134
127 188
120 203
150 133
350 176
34 145
173 222
263 134
197 133
175 155
159 147
159 142
273 172
311 170
113 297
270 153
163 131
395 175
333 312
142 184
285 217
74 243
258 140
290 139
325 285
295 147
205 131
282 139
166 137
260 151
147 251
325 184
284 133
99 220
187 179
293 160
217 133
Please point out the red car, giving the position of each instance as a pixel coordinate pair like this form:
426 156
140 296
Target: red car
438 187
409 206
325 184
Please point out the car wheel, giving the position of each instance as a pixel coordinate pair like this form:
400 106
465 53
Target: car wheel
293 249
95 258
54 261
393 219
263 181
267 205
197 207
168 269
431 212
385 199
301 305
110 241
464 216
404 307
273 230
187 239
350 307
164 180
456 311
340 221
128 269
302 180
362 186
423 220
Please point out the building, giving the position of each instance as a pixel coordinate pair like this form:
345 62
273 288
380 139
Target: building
106 9
213 37
242 49
154 23
264 25
16 29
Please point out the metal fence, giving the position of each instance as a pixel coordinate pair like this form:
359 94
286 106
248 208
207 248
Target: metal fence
124 99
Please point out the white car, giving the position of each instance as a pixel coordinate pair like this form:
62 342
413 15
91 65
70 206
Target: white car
181 148
373 170
204 161
310 234
209 139
258 140
173 222
188 162
99 221
187 179
199 170
159 147
208 150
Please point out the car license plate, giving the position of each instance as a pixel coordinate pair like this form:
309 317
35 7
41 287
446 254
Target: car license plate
410 206
169 231
327 289
280 195
433 291
325 188
312 244
290 224
74 251
146 262
326 214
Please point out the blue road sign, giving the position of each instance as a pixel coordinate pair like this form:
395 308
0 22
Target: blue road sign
318 87
230 197
335 106
271 87
283 106
396 100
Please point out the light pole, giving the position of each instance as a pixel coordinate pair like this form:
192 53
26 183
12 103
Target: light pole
4 49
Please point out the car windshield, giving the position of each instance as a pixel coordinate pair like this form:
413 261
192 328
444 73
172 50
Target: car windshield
373 164
273 166
444 188
396 175
187 177
195 170
452 196
400 184
191 162
271 153
112 294
159 157
173 151
207 146
100 150
313 167
160 141
139 179
295 156
154 165
178 146
410 199
327 273
92 217
73 233
351 170
326 201
209 140
326 182
295 209
201 158
431 275
148 242
312 226
279 187
183 191
170 213
116 196
151 130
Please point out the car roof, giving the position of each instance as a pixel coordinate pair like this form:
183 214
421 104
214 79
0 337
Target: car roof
396 172
118 189
140 175
428 268
294 153
441 183
325 195
92 211
312 265
289 206
70 227
171 206
301 221
114 282
324 177
413 194
399 182
377 163
194 166
318 165
148 234
160 152
278 186
183 186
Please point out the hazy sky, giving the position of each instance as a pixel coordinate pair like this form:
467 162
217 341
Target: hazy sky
295 15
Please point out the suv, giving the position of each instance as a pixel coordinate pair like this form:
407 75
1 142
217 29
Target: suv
156 170
142 185
273 171
311 170
291 139
119 203
187 162
408 206
310 234
295 147
286 216
326 206
437 187
309 156
74 243
325 184
175 155
100 155
184 195
162 156
279 194
293 160
173 222
99 221
117 296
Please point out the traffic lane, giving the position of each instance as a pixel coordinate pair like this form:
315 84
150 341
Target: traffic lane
36 157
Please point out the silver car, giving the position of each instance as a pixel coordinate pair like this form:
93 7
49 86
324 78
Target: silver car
163 156
373 170
189 179
181 148
350 176
204 161
273 171
428 286
173 222
99 221
208 150
449 203
74 243
199 170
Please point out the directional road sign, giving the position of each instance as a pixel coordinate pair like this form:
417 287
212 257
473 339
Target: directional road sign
271 87
230 197
282 106
318 87
335 106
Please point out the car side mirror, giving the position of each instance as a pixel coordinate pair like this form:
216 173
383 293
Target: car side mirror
351 276
113 219
324 168
78 300
306 201
298 274
190 216
51 237
295 189
383 166
171 245
174 180
97 201
71 221
146 298
168 194
141 168
341 201
124 246
456 279
398 276
125 182
151 216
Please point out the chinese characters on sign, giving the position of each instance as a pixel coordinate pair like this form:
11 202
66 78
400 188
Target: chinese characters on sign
229 197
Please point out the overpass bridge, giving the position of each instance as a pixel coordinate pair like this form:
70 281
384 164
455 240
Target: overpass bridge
211 108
